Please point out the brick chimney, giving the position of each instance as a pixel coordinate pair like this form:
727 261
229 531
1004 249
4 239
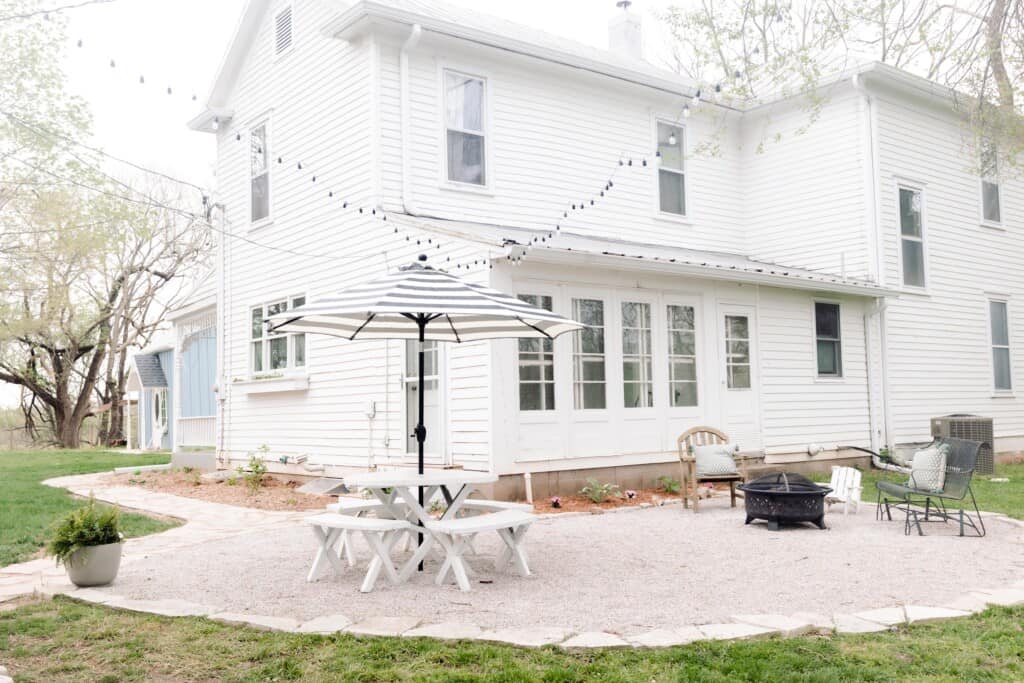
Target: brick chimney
625 32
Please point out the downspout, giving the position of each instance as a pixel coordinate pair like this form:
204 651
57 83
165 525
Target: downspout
875 230
408 205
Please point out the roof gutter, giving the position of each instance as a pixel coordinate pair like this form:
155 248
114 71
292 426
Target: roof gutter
403 78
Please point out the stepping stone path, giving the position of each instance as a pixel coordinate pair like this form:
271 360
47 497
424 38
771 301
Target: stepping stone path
206 521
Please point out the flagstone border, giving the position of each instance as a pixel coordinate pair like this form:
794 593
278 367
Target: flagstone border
41 577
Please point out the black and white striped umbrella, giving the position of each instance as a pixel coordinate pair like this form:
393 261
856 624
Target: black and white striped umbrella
446 308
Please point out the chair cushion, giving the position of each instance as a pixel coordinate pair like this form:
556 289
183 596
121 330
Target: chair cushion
928 470
715 460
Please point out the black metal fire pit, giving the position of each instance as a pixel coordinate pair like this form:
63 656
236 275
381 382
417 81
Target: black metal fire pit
785 498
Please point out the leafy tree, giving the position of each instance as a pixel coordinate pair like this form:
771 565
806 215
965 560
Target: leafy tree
759 50
89 262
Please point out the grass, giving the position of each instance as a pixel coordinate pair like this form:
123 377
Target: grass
1004 497
65 640
28 509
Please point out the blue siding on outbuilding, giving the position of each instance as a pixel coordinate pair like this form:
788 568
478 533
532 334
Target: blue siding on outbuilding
198 374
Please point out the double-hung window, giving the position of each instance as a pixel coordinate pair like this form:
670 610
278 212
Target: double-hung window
637 357
1000 325
990 209
275 352
912 236
672 170
466 137
682 357
536 365
588 355
829 339
259 174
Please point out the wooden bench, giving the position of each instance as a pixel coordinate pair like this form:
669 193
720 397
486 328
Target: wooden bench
380 535
456 537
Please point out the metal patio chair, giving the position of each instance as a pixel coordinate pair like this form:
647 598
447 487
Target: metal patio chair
931 505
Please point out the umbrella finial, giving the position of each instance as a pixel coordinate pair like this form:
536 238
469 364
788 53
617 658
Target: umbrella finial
423 257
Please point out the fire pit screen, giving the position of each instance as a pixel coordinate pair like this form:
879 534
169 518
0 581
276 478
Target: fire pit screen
785 498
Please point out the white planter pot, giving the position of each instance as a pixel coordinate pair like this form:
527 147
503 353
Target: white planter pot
94 566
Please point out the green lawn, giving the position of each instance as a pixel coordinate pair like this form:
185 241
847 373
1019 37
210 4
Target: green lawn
1004 497
28 509
64 640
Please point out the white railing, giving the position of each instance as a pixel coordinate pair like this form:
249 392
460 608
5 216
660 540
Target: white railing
197 431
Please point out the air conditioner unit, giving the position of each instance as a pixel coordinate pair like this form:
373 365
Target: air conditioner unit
972 428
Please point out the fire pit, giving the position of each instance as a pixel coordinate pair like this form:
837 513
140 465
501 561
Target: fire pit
785 498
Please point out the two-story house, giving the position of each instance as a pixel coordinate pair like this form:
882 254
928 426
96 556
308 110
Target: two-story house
839 286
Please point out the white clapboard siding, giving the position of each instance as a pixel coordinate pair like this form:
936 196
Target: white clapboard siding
939 355
555 136
805 191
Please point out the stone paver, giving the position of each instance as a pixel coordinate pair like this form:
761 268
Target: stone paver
1006 597
93 595
591 639
786 626
383 626
332 623
847 623
262 623
449 630
164 608
919 613
733 631
527 637
889 616
971 602
665 637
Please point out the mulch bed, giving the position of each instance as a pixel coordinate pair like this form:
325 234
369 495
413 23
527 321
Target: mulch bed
275 493
580 503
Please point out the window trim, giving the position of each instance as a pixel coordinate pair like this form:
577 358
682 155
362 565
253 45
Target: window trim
982 179
920 188
687 215
283 7
487 187
268 373
1005 301
814 340
268 133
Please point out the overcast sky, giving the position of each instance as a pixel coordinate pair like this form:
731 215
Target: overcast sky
180 44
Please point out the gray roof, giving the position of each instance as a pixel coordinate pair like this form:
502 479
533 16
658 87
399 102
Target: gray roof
151 373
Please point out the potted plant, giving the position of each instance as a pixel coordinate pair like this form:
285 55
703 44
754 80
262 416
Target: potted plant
88 543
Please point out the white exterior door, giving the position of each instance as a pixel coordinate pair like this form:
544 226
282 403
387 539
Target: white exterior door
159 417
434 447
739 374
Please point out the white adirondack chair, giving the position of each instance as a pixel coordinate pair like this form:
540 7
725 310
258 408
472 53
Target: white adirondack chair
846 488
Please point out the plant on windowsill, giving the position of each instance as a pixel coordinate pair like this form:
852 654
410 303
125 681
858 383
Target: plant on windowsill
597 492
88 543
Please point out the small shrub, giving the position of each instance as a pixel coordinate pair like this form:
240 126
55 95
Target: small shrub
193 476
556 502
668 484
87 526
256 471
137 472
597 492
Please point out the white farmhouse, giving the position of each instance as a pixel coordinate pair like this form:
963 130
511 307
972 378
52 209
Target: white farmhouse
839 287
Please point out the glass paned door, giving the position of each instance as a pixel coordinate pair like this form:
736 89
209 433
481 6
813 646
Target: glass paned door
739 374
434 448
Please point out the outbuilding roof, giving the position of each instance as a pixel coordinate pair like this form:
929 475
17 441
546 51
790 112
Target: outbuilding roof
150 372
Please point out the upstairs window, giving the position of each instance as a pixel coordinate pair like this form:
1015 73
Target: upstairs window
672 171
274 352
829 339
990 209
1001 366
588 371
283 30
536 365
259 174
912 237
464 128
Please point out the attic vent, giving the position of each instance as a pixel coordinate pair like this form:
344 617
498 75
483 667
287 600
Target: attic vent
283 30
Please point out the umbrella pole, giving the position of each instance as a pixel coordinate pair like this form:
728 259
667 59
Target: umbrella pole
421 430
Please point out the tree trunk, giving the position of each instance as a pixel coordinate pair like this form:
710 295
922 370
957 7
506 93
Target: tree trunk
68 430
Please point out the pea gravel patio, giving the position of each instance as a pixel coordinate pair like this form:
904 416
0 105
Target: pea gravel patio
623 573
